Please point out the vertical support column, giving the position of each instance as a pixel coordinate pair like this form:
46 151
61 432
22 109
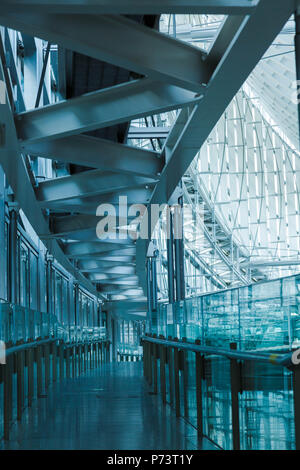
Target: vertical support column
154 283
49 283
179 250
235 382
149 302
76 302
152 287
296 389
3 283
13 252
170 256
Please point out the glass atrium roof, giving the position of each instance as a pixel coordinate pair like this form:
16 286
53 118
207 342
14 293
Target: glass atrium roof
243 184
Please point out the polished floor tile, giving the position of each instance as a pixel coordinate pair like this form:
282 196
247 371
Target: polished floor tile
108 408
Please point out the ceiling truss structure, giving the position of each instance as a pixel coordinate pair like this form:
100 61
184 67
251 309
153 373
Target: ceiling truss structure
169 75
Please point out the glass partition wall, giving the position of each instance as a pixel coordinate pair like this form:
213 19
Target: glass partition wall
265 315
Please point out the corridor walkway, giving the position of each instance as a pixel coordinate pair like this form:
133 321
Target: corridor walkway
107 408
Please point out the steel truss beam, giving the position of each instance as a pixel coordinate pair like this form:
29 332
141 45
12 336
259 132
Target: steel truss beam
134 7
148 132
123 270
91 264
17 176
79 250
88 205
72 224
123 283
104 266
87 183
113 39
102 108
120 258
98 153
266 264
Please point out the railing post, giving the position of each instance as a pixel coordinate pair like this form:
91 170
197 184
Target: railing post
68 362
20 383
296 390
162 351
171 375
144 359
184 368
73 361
30 376
39 371
154 348
54 362
7 410
235 382
176 380
47 365
61 361
150 365
199 377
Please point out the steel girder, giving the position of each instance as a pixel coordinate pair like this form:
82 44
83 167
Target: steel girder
89 204
134 7
102 108
98 153
95 264
87 183
68 226
148 132
122 270
76 250
17 176
118 37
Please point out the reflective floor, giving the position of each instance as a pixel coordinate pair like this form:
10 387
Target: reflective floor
107 408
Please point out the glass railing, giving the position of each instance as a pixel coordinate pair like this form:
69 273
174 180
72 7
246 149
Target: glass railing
259 316
21 324
40 351
239 400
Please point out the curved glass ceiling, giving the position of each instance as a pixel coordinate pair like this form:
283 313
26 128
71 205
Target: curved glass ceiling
243 185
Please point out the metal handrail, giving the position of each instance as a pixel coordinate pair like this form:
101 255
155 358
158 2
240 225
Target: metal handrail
33 344
285 360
